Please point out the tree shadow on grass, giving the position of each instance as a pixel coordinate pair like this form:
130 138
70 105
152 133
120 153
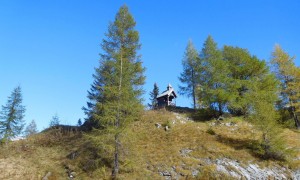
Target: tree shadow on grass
254 147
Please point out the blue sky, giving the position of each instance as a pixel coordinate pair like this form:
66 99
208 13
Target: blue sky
50 48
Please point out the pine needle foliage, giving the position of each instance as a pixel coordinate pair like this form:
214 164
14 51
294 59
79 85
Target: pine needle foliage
264 117
289 76
213 80
153 95
115 95
54 121
245 73
31 129
11 116
190 75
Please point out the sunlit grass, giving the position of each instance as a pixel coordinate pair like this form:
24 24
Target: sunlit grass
146 150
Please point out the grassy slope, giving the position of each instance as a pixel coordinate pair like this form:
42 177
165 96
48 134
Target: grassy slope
148 149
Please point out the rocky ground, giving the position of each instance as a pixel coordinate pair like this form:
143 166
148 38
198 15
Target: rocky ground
232 169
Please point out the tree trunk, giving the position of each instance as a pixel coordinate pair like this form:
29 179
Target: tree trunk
115 171
220 109
266 145
194 96
295 117
297 123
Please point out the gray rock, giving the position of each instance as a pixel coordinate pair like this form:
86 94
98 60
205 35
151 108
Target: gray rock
46 177
166 173
220 118
185 152
195 172
72 175
252 171
158 125
228 124
167 128
296 175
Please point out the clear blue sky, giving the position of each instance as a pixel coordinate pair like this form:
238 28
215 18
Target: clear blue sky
50 48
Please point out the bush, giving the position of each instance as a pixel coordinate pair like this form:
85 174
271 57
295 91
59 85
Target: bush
167 123
265 119
210 131
205 114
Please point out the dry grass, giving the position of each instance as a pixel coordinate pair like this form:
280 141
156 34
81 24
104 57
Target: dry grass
153 149
35 156
146 150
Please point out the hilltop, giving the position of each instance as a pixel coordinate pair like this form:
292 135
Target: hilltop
186 149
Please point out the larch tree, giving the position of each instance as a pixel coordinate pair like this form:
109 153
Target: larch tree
31 129
213 77
115 96
245 72
190 75
289 76
264 117
12 115
153 95
54 121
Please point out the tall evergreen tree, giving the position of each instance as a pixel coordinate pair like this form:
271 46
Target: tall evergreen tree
11 116
190 75
289 76
213 77
245 72
153 95
115 96
54 121
31 129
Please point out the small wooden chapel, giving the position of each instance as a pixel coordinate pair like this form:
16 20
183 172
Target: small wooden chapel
166 97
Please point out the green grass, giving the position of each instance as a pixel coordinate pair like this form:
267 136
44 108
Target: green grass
146 150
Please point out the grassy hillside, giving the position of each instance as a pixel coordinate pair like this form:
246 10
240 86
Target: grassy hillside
187 150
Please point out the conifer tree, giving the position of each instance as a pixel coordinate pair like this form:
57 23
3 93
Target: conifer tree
54 121
79 122
190 75
245 72
11 116
213 77
289 76
153 95
31 129
264 117
115 96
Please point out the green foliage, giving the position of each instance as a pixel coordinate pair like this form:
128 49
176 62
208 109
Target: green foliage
235 81
210 131
191 71
11 116
227 79
204 114
115 95
79 122
167 123
119 78
153 96
245 72
54 121
212 91
31 129
264 117
289 76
